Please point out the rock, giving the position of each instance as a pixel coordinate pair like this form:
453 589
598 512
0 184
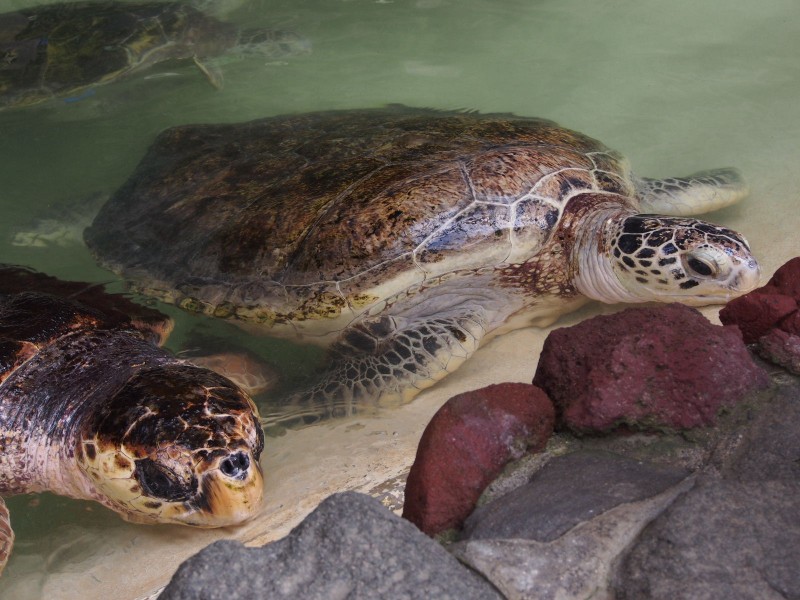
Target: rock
645 368
763 308
756 313
567 533
768 446
466 445
568 490
786 280
349 547
737 537
574 566
768 313
722 539
791 324
782 349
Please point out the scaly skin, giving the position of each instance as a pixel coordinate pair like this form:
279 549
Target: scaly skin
402 239
104 414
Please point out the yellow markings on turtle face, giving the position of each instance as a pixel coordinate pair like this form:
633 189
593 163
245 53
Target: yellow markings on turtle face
230 501
219 500
112 471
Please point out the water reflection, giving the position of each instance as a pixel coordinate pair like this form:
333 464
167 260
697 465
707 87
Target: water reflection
63 50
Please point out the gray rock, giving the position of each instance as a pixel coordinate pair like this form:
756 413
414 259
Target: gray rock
568 490
349 547
769 446
575 566
722 540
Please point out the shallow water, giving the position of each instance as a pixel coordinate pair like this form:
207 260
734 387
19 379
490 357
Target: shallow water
677 87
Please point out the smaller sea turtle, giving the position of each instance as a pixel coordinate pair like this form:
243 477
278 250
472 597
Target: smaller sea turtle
59 50
91 408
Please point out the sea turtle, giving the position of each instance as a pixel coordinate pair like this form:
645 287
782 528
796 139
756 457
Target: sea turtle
403 238
91 407
59 50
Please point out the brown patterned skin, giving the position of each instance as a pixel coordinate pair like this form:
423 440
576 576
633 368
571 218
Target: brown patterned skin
402 238
63 48
91 408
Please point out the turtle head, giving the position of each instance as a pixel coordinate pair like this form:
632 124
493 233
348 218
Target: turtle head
176 444
272 43
646 258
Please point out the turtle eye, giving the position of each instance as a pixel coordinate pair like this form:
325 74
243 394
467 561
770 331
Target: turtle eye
160 482
700 267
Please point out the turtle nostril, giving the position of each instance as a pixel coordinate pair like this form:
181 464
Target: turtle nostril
236 465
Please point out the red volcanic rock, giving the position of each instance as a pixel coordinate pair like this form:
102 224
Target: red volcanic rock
781 348
766 314
786 279
467 444
791 324
757 312
769 306
646 368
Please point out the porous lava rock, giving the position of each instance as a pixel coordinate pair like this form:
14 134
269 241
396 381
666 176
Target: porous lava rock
786 280
769 317
757 312
466 445
652 368
781 348
791 324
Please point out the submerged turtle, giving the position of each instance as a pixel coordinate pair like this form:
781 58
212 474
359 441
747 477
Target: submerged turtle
404 238
59 50
91 408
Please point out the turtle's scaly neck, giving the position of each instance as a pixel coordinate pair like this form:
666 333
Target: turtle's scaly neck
590 261
47 405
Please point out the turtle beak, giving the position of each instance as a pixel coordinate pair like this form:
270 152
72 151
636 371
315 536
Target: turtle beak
232 492
747 278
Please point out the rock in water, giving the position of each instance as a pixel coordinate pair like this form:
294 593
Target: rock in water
466 445
351 546
645 368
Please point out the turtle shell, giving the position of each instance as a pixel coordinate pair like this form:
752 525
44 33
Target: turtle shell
297 217
36 309
59 49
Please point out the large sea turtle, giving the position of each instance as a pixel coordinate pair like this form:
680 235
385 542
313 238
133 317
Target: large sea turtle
91 408
59 50
404 238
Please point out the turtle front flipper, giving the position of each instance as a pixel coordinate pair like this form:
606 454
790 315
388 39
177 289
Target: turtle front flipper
211 71
691 195
386 361
6 535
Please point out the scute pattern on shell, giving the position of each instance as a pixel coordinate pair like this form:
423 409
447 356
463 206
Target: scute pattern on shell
297 217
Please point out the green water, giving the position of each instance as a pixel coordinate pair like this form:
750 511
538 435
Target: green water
677 86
